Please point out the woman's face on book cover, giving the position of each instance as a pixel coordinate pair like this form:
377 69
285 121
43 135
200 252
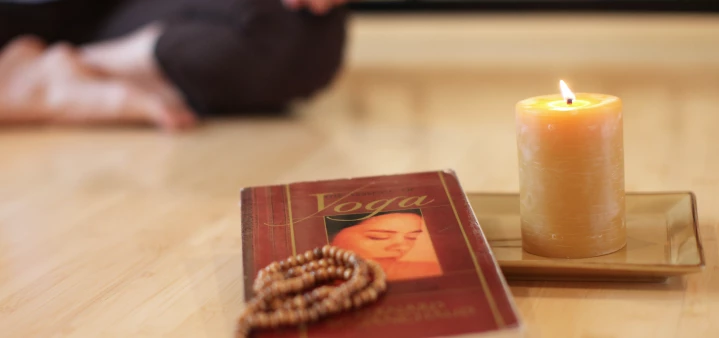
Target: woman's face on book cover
385 237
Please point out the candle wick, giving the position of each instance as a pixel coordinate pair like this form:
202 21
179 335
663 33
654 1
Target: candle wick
569 101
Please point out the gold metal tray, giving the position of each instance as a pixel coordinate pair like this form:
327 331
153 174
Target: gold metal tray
663 241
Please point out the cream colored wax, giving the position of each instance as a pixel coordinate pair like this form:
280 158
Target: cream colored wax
571 170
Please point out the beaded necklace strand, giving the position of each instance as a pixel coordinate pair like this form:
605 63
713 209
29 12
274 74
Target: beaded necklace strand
290 292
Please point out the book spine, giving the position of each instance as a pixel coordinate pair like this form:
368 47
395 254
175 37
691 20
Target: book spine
247 205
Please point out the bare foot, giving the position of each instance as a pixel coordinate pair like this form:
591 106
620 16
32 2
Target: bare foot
132 59
53 85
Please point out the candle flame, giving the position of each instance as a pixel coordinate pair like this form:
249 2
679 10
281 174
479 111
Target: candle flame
567 93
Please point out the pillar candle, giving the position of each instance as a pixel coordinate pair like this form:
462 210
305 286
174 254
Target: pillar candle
571 174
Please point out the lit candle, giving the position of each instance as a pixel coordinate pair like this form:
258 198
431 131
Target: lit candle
571 174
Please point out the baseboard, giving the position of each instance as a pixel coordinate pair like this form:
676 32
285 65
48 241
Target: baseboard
395 6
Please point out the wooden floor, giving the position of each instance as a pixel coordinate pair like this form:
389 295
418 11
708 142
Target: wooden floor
119 232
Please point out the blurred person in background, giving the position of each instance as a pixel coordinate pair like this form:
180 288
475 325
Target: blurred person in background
167 63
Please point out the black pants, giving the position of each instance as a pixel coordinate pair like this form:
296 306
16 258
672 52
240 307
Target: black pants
225 56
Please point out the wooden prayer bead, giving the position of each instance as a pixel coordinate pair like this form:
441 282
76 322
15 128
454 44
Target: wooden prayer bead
365 296
263 320
322 310
379 285
320 293
274 320
300 302
314 315
308 280
309 256
332 306
292 318
357 301
372 294
303 316
322 274
338 254
274 267
283 316
297 284
347 291
275 289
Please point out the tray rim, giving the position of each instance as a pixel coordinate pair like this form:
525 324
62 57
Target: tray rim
610 266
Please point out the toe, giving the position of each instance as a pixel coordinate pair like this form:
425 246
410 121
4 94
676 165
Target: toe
168 117
19 52
63 60
25 43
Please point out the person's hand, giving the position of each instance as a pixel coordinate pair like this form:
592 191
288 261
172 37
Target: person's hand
315 6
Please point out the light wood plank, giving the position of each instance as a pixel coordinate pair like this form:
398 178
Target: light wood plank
115 233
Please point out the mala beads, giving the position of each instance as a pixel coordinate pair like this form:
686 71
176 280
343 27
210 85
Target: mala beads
299 289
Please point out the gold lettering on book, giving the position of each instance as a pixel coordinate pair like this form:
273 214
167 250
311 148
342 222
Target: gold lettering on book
409 313
418 201
321 200
374 207
321 205
371 205
354 206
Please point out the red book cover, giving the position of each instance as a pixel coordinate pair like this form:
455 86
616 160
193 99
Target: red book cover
442 278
